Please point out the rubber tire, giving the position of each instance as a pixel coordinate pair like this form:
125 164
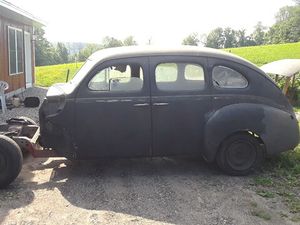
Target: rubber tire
11 153
223 160
31 121
31 102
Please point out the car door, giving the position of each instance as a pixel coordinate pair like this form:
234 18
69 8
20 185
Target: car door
180 104
113 110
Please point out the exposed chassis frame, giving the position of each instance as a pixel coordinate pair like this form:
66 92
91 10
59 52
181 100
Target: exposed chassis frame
27 137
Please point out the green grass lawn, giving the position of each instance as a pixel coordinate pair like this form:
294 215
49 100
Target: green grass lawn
45 76
261 55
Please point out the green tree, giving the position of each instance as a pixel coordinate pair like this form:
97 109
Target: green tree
215 39
241 38
191 39
287 26
87 51
44 51
229 38
62 53
110 42
259 34
129 41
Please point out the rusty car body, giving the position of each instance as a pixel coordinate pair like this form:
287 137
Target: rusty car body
148 102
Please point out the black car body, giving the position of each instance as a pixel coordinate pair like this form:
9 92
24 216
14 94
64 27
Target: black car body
145 102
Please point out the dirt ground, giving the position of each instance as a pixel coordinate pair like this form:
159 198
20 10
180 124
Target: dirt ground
133 191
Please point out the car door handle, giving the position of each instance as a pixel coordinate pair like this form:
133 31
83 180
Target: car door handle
141 104
160 103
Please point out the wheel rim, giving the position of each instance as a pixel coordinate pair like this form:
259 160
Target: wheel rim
241 155
3 163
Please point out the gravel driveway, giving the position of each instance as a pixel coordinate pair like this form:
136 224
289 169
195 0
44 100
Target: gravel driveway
131 191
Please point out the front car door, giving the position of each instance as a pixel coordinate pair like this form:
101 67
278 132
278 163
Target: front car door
180 104
113 110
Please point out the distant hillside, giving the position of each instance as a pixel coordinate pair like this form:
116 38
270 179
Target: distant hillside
260 55
73 47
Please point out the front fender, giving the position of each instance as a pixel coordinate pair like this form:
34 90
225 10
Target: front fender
278 129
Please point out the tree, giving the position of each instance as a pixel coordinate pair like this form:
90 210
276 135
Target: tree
287 26
243 39
259 34
129 41
62 53
215 39
110 42
229 38
87 51
191 39
44 51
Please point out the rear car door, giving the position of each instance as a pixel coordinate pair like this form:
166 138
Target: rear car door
113 110
180 103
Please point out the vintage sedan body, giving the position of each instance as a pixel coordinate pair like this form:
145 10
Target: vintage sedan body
146 102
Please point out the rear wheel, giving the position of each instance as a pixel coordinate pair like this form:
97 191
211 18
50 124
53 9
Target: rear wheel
11 161
240 154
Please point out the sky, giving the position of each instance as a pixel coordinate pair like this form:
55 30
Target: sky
164 22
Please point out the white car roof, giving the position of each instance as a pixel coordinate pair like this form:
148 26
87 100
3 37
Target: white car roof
284 67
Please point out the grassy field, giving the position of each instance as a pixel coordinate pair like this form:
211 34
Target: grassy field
261 55
45 76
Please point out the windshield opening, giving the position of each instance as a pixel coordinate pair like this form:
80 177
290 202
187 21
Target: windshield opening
81 73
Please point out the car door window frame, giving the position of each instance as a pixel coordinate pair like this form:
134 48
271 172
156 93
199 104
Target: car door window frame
112 79
193 60
85 91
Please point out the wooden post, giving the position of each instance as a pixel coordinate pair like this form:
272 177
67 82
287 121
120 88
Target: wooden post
286 85
68 73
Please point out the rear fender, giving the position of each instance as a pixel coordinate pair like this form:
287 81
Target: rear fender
277 129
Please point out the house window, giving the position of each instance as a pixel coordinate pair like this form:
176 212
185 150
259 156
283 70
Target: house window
15 50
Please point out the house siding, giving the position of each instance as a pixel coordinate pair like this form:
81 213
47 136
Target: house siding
16 82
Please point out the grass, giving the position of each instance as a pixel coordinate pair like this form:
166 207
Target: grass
296 219
45 76
258 212
281 178
261 214
297 109
264 181
265 194
261 55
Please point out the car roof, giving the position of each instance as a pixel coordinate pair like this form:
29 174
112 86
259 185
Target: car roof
136 51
